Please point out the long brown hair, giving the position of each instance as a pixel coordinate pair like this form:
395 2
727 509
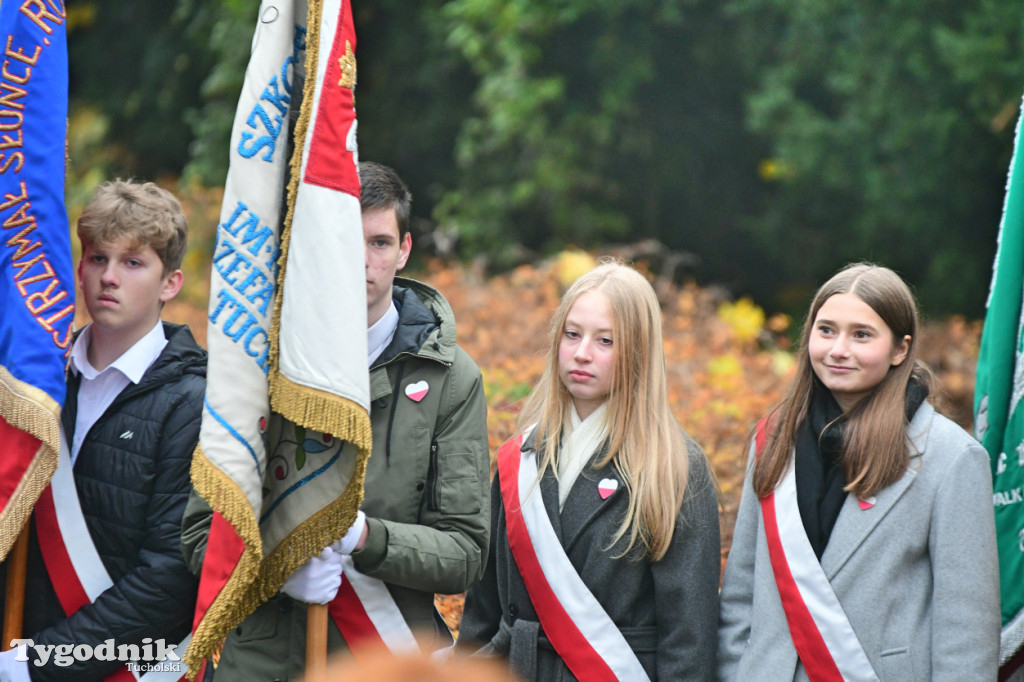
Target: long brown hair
876 451
646 443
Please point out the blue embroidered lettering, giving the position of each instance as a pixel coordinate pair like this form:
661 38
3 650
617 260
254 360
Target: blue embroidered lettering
229 249
226 299
253 232
236 336
270 141
234 216
272 260
264 296
254 274
284 74
262 355
227 272
273 94
235 314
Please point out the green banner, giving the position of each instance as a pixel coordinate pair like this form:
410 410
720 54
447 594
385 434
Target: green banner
998 413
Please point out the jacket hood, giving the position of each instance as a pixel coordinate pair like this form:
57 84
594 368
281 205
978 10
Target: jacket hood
426 323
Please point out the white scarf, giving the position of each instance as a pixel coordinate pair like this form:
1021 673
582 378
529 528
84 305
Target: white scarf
580 439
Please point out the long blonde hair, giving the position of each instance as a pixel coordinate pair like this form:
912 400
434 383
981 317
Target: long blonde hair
875 452
646 443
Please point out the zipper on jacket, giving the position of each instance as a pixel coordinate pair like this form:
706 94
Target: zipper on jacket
391 417
432 476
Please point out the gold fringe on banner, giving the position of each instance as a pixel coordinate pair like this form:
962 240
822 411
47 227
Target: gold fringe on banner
321 411
235 600
323 528
306 406
32 410
253 581
255 578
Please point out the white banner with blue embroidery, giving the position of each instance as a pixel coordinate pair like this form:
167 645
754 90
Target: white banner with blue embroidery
285 432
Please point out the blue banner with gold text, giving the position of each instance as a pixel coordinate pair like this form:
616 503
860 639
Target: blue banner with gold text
37 292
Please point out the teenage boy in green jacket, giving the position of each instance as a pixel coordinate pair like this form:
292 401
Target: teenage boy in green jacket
424 523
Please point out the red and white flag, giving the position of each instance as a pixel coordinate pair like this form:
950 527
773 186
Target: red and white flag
286 428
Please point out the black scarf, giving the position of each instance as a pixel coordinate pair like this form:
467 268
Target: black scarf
820 480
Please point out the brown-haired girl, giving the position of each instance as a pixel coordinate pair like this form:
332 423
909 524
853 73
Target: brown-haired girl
604 556
864 546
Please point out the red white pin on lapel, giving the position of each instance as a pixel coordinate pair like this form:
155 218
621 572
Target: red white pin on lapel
867 504
606 487
417 391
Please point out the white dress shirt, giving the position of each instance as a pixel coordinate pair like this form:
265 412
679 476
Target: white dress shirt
99 388
380 335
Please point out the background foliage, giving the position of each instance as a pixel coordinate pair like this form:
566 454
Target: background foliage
752 146
763 143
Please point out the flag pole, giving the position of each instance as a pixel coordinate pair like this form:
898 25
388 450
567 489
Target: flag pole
316 638
14 601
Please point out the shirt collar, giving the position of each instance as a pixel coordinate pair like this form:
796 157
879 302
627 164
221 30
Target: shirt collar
133 363
382 331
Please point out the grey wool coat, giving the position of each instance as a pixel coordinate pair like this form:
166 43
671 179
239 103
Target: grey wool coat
666 610
917 574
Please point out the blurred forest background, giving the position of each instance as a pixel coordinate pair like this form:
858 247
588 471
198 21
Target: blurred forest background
739 151
763 143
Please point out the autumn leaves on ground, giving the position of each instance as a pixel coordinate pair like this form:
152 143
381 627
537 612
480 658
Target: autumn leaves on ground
727 363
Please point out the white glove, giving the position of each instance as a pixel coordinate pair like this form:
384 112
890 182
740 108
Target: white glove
12 670
316 581
348 543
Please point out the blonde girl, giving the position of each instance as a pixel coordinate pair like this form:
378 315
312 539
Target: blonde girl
605 550
864 546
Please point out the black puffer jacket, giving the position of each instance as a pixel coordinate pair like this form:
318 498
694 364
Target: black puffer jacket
133 491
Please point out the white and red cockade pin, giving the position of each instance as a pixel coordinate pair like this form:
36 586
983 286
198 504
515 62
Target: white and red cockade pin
867 504
417 391
606 487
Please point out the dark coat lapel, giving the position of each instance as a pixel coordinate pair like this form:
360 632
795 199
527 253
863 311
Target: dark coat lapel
584 504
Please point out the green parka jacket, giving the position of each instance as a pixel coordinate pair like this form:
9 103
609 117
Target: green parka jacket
426 500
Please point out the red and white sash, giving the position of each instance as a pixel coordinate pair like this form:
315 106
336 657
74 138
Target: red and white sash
74 565
824 639
366 613
582 633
